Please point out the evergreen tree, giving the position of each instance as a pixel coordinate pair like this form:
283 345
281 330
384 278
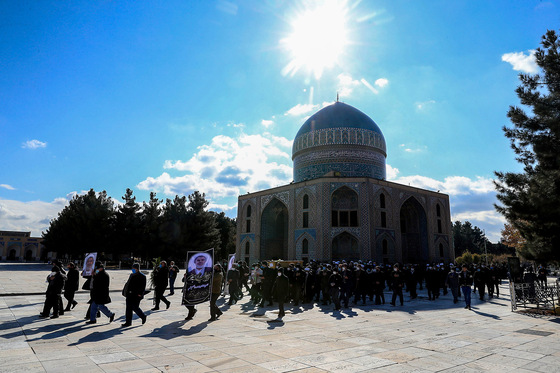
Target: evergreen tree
203 233
468 238
150 245
128 230
530 200
227 228
85 225
174 228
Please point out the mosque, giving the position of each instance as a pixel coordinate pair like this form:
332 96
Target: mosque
339 205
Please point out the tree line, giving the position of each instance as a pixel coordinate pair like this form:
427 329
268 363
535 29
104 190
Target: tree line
92 223
530 200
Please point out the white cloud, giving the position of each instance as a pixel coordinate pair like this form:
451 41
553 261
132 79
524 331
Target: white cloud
301 109
34 144
33 216
381 82
470 199
346 84
6 186
267 123
424 105
409 149
391 172
522 62
228 167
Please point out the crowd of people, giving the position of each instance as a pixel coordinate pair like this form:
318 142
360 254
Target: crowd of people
337 283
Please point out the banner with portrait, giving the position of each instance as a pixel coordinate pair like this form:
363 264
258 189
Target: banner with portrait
200 272
231 260
89 264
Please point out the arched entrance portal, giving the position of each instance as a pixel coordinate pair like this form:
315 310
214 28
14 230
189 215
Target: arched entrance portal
345 246
274 231
414 232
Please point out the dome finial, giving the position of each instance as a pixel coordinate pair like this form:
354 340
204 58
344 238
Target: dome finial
336 96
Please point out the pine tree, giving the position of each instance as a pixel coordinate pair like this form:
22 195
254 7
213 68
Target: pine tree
530 200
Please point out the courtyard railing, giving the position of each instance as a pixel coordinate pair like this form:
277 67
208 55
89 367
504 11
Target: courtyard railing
535 296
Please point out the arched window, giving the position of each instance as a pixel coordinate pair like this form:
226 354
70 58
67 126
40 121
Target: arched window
385 247
248 220
383 219
441 250
344 208
247 248
439 225
305 202
438 210
305 247
382 200
305 219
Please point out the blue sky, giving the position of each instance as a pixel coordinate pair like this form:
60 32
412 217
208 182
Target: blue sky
177 96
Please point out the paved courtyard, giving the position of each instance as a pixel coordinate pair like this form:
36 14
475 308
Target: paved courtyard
421 336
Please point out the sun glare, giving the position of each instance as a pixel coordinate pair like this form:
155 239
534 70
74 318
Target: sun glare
318 37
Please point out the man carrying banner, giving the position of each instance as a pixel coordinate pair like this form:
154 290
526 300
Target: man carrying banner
197 279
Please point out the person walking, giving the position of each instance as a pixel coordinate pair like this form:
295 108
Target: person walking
281 289
335 282
133 291
233 280
71 286
100 295
397 282
53 295
465 282
173 272
452 281
215 312
161 279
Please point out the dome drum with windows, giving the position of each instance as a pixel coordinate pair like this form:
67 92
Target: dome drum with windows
339 140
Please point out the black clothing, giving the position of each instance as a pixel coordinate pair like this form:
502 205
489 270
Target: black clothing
71 285
161 279
100 288
335 281
281 289
397 285
53 297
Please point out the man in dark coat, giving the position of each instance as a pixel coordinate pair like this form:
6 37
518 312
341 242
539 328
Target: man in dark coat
161 279
452 281
100 294
217 280
397 282
335 282
378 279
479 278
71 285
53 295
173 271
281 289
233 279
465 282
134 292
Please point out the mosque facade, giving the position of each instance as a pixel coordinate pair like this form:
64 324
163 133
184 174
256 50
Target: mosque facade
339 205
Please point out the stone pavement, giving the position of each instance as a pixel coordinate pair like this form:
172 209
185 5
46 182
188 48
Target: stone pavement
421 336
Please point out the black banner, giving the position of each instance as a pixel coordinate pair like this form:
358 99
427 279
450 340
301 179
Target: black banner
198 281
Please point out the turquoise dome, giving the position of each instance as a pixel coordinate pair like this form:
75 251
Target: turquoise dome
341 139
338 115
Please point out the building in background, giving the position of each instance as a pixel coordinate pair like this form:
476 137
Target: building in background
20 246
339 205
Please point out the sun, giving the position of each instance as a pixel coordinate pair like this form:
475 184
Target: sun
318 37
